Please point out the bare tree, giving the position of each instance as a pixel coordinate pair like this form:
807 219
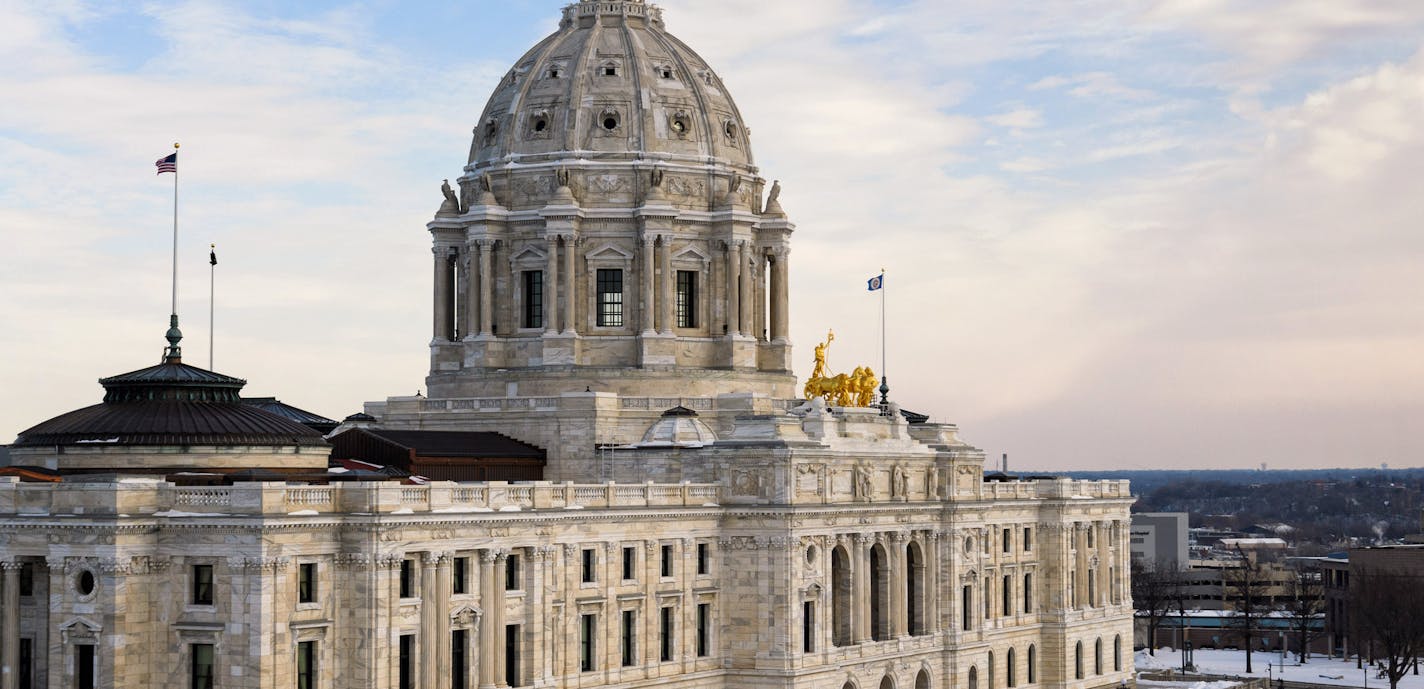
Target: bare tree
1156 593
1387 616
1245 586
1304 605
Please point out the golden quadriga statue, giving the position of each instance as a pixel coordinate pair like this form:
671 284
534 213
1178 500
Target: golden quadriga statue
842 390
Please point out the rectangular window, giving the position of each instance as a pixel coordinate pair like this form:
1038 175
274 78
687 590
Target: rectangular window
610 298
27 579
511 654
630 560
704 559
84 666
704 629
590 574
687 299
27 664
306 582
965 605
588 628
665 563
665 630
407 662
459 659
459 576
808 626
533 298
1008 594
630 638
202 584
1008 540
1028 539
511 573
407 579
306 665
201 673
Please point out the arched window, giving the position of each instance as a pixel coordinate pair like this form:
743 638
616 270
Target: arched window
973 677
989 668
847 685
922 680
1078 660
1010 678
1028 593
914 589
840 597
879 593
1098 657
1117 653
887 683
1032 669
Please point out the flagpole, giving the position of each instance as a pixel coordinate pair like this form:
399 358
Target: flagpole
212 305
175 238
884 378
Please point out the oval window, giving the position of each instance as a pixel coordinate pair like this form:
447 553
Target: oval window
86 583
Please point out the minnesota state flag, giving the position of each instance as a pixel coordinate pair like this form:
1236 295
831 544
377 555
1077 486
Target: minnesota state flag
875 283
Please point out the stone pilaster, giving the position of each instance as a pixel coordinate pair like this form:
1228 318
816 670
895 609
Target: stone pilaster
495 611
486 286
734 279
647 308
551 286
780 294
571 287
10 624
745 308
665 312
488 637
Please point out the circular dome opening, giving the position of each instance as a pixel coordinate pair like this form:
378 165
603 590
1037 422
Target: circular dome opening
610 121
679 125
541 124
730 129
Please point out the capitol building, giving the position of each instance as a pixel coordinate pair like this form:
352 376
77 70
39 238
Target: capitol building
614 479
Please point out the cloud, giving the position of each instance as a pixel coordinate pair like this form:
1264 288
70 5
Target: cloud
1155 264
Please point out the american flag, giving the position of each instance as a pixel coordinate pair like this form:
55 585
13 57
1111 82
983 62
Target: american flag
168 163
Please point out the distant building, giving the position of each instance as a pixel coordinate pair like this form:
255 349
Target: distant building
1342 574
1159 537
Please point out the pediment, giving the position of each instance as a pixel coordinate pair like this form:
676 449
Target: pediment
529 254
690 253
608 252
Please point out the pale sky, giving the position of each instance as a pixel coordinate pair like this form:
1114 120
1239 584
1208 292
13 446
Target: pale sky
1119 234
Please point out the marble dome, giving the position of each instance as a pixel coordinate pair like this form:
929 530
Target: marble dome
611 84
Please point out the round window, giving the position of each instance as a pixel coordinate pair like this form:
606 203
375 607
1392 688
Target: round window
610 121
969 544
811 555
541 124
679 125
85 583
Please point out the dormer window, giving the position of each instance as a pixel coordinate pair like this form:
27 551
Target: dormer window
555 72
609 69
680 124
665 72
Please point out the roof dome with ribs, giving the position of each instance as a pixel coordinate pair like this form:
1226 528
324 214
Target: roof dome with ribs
171 404
611 83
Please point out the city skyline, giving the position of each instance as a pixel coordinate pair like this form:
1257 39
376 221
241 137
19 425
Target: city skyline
1115 237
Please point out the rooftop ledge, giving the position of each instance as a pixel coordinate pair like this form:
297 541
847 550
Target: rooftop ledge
152 498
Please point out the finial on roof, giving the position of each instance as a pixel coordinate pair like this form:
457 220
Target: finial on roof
173 354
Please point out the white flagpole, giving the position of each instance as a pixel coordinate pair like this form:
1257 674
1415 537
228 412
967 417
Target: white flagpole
884 378
175 237
212 304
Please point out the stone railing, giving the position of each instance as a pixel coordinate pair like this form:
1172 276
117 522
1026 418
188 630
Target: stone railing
655 404
1063 488
156 498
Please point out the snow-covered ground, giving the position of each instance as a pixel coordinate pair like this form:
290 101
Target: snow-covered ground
1316 670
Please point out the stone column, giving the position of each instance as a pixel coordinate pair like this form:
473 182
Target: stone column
496 613
486 249
734 278
429 639
860 588
932 583
571 287
10 626
899 592
487 619
781 257
443 315
534 615
440 601
745 310
551 288
472 291
665 258
648 308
